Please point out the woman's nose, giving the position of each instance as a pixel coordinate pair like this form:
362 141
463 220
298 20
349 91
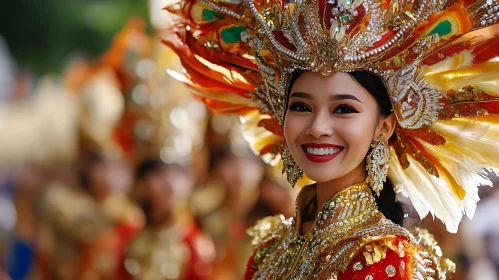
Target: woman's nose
321 126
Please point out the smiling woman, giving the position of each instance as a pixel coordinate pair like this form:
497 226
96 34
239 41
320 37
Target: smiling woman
330 125
350 93
330 135
333 112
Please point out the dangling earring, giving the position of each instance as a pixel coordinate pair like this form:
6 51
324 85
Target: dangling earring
378 162
289 165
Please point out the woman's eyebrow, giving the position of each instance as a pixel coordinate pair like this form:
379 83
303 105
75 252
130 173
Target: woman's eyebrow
333 97
344 96
301 95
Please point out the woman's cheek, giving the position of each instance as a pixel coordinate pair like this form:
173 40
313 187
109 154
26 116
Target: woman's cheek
290 128
293 126
351 127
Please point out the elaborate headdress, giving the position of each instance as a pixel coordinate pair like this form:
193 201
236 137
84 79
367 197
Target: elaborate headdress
439 60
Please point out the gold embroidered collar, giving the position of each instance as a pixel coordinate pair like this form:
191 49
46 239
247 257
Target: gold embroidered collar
345 209
341 228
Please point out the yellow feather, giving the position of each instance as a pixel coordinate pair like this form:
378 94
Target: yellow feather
461 60
258 137
210 94
476 138
483 76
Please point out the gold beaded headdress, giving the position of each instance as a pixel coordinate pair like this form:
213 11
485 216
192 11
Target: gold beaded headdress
438 59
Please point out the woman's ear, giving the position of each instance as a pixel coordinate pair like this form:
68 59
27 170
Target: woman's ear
387 126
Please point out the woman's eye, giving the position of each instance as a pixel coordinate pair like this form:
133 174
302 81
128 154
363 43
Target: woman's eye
299 107
344 109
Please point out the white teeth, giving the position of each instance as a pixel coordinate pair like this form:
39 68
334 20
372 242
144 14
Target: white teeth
322 151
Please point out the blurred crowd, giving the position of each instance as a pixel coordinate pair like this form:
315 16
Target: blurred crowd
112 171
101 218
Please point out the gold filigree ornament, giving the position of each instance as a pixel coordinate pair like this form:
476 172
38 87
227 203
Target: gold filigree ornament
289 166
378 162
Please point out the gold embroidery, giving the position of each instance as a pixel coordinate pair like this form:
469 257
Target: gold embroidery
376 250
267 229
427 242
346 224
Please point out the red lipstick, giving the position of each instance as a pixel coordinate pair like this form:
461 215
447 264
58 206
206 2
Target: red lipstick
321 158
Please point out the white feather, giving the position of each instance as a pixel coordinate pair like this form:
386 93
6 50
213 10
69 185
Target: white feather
426 192
467 172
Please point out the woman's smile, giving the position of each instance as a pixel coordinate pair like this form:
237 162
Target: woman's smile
321 153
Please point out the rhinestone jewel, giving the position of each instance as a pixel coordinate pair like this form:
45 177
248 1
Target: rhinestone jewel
369 277
358 266
390 271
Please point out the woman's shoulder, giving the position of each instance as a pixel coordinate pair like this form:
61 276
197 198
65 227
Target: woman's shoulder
396 254
394 257
264 234
268 229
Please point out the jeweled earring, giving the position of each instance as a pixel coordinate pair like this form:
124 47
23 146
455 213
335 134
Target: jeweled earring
289 165
378 162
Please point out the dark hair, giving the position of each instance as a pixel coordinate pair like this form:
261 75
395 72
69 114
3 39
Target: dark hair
387 201
389 205
148 166
145 168
218 155
89 162
375 85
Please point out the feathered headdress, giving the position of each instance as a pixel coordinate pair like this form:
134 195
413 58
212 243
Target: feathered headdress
439 60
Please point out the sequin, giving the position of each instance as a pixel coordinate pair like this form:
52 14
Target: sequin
390 271
402 268
401 250
357 266
369 277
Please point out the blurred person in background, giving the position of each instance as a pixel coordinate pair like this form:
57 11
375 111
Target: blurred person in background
481 236
223 207
171 246
26 185
84 231
273 197
30 183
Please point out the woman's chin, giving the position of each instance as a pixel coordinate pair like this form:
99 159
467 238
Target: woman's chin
320 177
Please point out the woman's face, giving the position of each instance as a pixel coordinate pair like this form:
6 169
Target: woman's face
330 124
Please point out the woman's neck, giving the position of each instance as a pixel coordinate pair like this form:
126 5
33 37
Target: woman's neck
325 190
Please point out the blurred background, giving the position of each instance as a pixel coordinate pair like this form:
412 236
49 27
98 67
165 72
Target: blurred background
109 169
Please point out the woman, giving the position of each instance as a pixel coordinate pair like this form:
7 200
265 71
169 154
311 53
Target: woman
348 93
170 235
329 134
